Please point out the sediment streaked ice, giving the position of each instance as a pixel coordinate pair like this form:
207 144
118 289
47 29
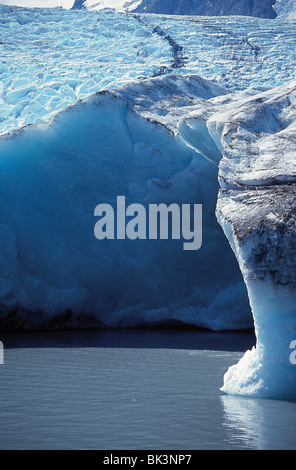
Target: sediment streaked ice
255 134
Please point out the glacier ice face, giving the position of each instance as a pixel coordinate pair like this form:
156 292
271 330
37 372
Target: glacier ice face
177 136
55 274
53 271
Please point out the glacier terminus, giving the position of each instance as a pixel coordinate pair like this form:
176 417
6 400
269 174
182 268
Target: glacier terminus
158 106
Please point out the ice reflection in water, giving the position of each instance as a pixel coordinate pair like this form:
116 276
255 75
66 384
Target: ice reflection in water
259 423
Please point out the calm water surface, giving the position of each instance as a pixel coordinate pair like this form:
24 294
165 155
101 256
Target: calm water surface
133 390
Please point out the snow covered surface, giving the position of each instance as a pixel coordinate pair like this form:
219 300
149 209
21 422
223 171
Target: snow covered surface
67 4
117 5
155 130
256 8
67 55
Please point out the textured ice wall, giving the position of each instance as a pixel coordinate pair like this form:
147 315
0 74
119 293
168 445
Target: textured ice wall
265 246
255 133
257 210
54 273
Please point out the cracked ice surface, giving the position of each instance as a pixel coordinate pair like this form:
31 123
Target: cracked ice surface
52 57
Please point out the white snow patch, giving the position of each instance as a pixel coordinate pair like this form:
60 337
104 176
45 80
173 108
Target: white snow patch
67 4
117 5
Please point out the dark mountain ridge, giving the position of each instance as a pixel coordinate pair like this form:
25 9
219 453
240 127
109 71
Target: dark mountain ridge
257 8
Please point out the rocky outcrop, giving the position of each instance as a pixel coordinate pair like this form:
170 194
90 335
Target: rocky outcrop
258 8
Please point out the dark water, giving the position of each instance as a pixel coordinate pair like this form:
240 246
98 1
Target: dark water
133 390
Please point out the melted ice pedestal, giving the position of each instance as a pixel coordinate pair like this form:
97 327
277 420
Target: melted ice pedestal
256 209
264 243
